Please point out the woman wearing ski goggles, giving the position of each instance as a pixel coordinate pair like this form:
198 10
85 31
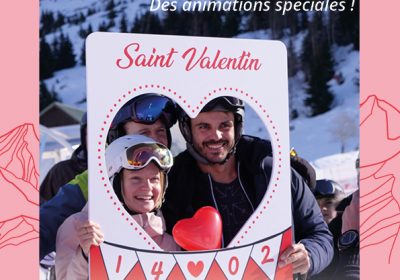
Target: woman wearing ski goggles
137 167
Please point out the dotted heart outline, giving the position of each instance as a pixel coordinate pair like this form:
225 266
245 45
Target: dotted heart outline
274 182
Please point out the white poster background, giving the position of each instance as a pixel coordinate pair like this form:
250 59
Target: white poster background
108 87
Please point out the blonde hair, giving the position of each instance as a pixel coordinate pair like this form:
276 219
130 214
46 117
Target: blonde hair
161 199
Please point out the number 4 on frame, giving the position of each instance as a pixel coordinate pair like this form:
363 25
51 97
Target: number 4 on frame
156 268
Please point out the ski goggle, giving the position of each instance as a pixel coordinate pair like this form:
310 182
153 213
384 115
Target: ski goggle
147 109
226 102
139 156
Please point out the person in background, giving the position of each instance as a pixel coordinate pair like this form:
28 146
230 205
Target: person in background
349 241
329 194
304 168
342 215
137 168
66 170
60 174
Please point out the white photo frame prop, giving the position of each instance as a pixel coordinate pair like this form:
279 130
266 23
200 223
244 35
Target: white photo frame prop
191 71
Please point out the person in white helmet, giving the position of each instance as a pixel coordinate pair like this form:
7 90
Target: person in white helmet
137 167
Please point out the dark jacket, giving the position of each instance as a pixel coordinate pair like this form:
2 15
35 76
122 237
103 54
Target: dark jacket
61 173
189 190
70 199
345 264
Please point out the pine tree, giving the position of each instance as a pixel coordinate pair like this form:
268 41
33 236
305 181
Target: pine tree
90 11
293 63
90 29
82 57
317 60
149 23
230 26
293 22
211 24
177 23
46 23
59 21
46 97
256 20
46 60
82 18
111 24
346 26
303 20
110 8
275 23
82 32
123 25
103 26
66 56
319 96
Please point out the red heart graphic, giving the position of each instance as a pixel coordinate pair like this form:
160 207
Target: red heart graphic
195 269
201 232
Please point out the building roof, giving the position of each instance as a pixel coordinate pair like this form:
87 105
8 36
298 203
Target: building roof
59 114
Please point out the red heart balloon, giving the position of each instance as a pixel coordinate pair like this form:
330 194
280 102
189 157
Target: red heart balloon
201 232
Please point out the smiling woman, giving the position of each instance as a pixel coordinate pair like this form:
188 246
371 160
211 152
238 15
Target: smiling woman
137 168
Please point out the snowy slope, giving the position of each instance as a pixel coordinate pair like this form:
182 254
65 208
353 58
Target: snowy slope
313 138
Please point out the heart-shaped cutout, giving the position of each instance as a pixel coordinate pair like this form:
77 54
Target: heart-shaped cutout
195 268
201 232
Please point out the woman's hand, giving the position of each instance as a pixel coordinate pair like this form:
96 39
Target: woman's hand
89 233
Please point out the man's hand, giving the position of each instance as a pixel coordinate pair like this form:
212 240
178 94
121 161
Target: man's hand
297 255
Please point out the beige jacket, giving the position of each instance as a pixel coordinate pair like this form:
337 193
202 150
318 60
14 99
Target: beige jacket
70 262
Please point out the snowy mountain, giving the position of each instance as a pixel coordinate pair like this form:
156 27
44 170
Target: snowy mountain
313 138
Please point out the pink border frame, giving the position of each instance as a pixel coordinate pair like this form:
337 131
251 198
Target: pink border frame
19 140
19 56
379 140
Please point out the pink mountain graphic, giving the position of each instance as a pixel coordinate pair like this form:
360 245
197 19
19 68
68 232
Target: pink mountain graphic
380 191
19 184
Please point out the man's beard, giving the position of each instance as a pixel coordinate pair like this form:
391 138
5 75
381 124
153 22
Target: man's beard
205 150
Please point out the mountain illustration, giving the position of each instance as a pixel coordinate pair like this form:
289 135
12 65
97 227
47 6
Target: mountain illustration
19 186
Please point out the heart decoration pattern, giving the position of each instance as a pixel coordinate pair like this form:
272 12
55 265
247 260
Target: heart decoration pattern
201 232
195 268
